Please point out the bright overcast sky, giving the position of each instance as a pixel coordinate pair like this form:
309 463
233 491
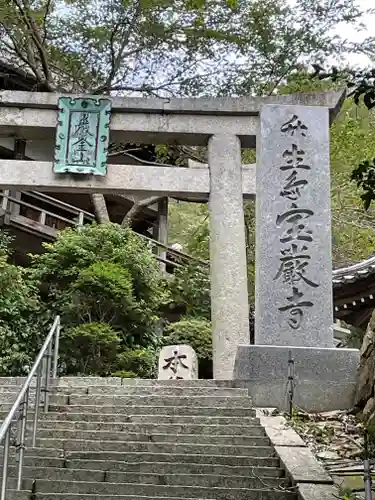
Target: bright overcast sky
353 35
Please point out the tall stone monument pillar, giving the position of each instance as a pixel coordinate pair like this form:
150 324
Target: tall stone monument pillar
294 318
293 228
229 301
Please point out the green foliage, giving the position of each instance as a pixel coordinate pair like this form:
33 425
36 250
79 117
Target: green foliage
188 225
22 317
89 349
196 332
364 176
190 288
102 274
170 47
143 362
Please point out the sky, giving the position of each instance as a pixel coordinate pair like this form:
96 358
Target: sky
353 35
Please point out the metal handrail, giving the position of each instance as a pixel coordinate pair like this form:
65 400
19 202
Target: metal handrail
48 355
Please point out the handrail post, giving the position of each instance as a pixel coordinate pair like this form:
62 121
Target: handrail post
56 349
81 220
21 405
47 376
4 479
21 449
39 375
5 201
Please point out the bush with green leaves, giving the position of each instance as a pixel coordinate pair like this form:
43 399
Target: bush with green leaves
196 332
89 349
23 324
190 289
143 362
103 274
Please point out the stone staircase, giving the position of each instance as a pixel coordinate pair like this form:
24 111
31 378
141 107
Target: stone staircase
113 439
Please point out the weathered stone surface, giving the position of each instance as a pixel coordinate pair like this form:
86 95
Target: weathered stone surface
317 492
229 303
138 179
293 245
278 431
324 379
301 465
366 373
178 362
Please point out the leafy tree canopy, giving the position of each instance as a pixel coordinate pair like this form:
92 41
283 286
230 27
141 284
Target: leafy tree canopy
22 316
171 47
102 274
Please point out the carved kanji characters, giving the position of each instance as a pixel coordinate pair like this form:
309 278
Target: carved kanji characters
291 190
298 230
294 158
173 364
293 126
293 264
295 308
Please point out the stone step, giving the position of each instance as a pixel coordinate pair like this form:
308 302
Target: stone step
181 457
174 468
138 390
219 493
149 419
151 400
74 496
188 410
106 481
26 495
116 381
150 428
255 495
39 463
18 495
174 479
42 457
149 447
95 381
66 434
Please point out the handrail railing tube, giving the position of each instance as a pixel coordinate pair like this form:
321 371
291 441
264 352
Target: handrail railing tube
47 375
37 403
4 481
56 351
21 444
22 402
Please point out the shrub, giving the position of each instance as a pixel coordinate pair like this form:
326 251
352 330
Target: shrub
103 274
142 362
195 332
22 317
89 349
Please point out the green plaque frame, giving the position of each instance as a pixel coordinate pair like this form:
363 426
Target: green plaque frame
82 136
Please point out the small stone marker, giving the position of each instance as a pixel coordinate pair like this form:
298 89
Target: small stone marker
293 244
178 362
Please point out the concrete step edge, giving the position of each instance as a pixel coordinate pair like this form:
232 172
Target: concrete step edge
147 474
164 443
151 434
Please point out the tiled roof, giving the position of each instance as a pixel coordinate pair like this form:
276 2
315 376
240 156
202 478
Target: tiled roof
354 272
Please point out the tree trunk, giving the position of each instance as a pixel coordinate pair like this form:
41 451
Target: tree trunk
137 207
100 208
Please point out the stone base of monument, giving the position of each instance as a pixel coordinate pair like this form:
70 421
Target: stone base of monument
324 379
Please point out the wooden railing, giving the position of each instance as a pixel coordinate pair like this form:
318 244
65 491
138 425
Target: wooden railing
47 223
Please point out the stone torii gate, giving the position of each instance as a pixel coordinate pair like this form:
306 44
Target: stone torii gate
223 125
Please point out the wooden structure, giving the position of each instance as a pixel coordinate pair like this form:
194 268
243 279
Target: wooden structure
34 217
354 293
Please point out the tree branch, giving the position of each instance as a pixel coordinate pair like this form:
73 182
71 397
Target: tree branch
137 207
